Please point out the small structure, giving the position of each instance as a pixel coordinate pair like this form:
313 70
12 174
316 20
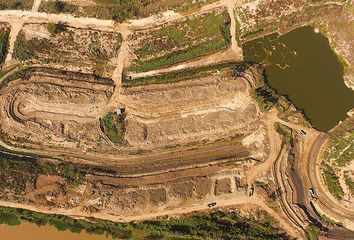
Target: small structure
251 192
302 133
120 111
312 192
210 205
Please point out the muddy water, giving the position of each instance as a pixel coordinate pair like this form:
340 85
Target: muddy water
301 65
29 231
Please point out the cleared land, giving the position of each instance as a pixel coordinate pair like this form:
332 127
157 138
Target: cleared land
189 139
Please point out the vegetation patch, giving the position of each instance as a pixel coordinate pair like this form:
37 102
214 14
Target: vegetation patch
120 10
24 171
185 74
331 221
255 19
332 181
87 50
55 28
349 182
181 41
58 7
113 126
16 4
313 232
340 152
4 43
285 132
214 225
265 97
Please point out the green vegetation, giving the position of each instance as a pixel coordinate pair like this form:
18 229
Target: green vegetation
58 7
55 28
16 75
91 48
4 43
331 221
332 181
194 5
313 232
344 62
349 182
183 41
265 97
185 74
215 225
22 50
113 126
340 152
285 132
25 171
16 4
120 10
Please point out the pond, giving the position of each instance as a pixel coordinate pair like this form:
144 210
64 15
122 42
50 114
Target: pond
30 231
302 66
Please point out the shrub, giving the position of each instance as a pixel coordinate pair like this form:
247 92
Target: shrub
22 48
4 43
54 28
113 126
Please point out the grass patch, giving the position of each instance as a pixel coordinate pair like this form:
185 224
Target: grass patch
182 41
349 182
58 7
183 75
25 171
340 151
4 43
215 225
331 221
113 126
285 132
16 75
265 97
313 232
55 28
120 10
16 4
22 50
332 181
89 49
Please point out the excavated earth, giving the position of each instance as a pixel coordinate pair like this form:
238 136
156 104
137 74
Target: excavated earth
62 110
52 109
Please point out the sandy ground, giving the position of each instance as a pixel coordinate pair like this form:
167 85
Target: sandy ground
161 123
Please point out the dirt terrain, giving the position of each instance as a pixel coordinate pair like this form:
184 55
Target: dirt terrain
44 107
153 115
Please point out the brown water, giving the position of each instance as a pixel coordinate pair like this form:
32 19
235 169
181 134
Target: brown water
29 231
302 66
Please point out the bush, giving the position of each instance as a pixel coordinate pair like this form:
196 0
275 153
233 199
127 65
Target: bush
54 28
22 48
59 7
332 182
4 43
113 126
